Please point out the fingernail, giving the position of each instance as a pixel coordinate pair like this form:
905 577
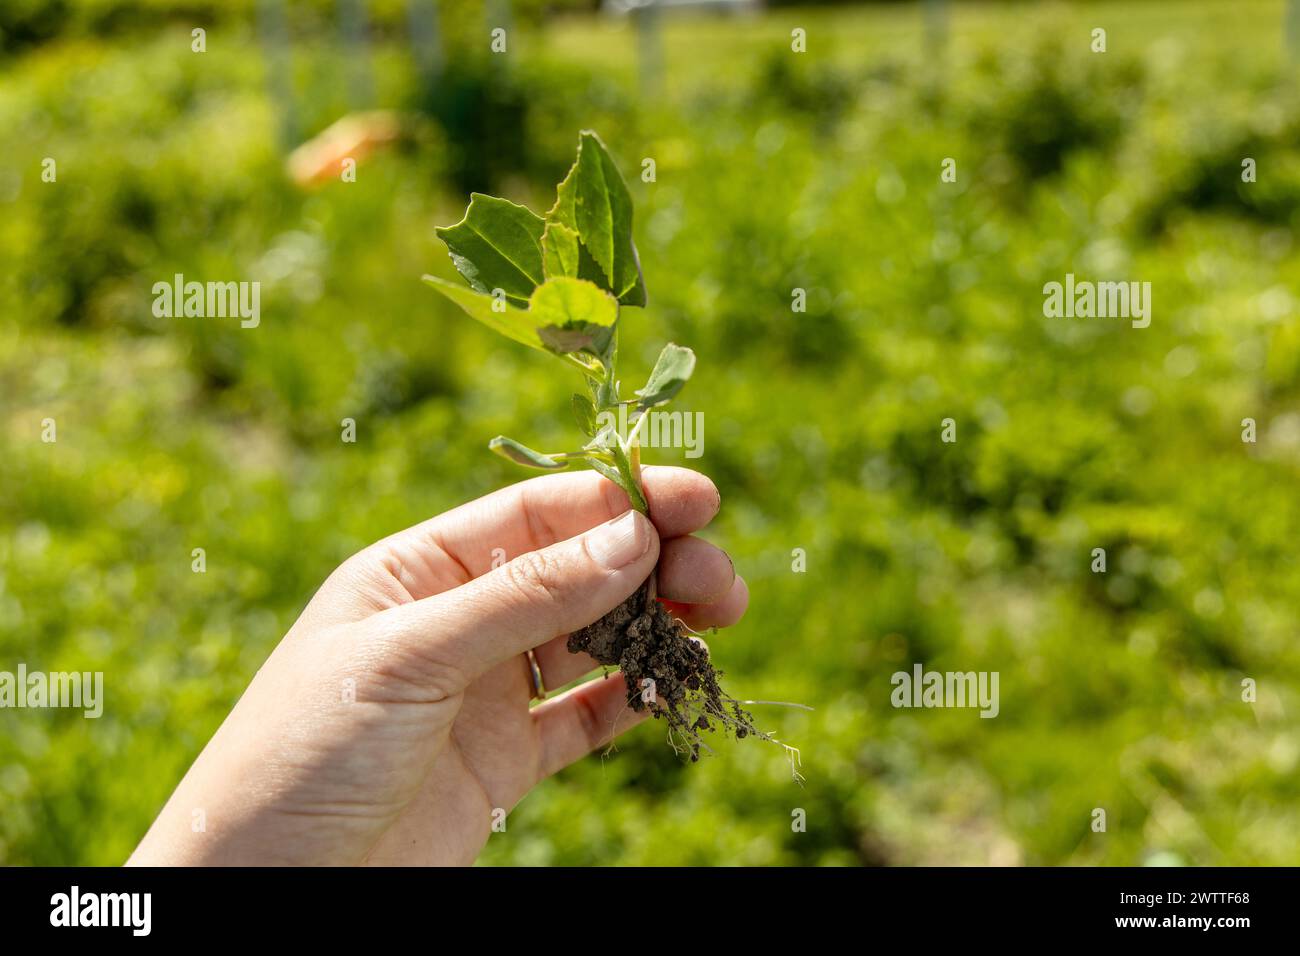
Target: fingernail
618 543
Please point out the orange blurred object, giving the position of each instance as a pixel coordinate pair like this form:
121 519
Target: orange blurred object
353 137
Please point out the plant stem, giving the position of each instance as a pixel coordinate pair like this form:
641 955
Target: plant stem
632 445
576 456
587 370
624 455
634 457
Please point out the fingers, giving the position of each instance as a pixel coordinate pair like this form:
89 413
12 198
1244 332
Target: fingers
558 666
466 542
447 640
724 612
692 571
575 723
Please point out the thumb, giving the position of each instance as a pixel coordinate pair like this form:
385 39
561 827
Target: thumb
526 602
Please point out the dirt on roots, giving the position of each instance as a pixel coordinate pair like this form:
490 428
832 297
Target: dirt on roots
648 644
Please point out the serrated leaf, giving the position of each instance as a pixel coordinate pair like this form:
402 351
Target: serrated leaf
590 270
573 315
672 370
593 200
563 254
584 411
511 322
522 454
498 245
559 251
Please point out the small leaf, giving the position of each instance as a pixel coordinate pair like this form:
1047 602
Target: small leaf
559 251
585 412
623 480
671 372
522 454
607 389
498 245
627 482
511 322
605 435
572 315
593 200
609 471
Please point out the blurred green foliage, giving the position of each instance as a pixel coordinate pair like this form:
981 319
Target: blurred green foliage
816 171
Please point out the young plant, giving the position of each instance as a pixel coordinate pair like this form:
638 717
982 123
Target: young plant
557 284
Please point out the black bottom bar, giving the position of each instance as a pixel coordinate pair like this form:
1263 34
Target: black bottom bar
334 906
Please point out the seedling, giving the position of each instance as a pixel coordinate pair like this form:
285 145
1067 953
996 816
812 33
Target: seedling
557 285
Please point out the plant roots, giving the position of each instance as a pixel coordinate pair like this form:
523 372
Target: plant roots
665 669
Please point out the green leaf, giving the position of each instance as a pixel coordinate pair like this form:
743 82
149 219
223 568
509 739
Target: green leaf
609 471
627 482
498 245
573 315
565 315
511 322
622 476
594 201
522 454
563 254
590 270
671 372
584 410
559 251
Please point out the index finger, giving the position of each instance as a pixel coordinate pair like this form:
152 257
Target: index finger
536 513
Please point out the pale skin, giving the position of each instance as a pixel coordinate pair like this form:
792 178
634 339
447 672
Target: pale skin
393 720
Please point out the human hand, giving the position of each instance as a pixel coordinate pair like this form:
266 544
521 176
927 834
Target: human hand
394 718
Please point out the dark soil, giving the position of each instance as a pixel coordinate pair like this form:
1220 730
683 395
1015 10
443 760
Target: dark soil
644 641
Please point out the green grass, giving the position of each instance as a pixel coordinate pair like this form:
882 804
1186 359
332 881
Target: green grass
822 429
